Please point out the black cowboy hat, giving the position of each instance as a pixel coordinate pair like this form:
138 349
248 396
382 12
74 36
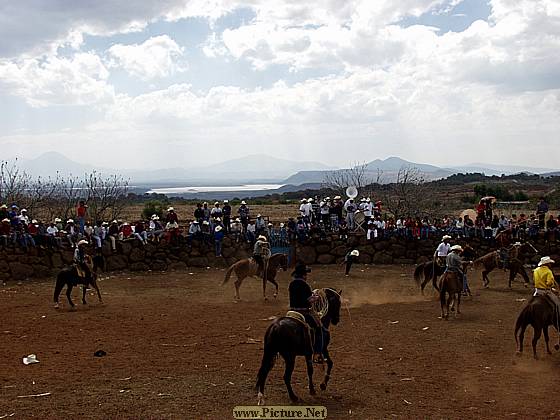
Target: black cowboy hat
301 269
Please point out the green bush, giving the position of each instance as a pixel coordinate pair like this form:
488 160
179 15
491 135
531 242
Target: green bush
153 207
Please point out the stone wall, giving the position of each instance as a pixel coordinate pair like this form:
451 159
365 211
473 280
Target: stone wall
17 265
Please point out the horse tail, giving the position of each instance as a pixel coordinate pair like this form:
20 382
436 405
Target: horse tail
60 281
228 273
443 290
521 319
418 274
269 357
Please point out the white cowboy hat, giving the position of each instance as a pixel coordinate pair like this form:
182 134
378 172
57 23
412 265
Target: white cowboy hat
445 237
34 221
218 219
6 220
337 197
456 248
57 219
70 221
125 224
270 224
262 238
114 221
226 201
83 242
237 219
517 244
30 359
195 222
304 200
368 200
243 202
23 210
355 253
363 200
218 228
310 200
546 260
206 222
155 217
216 203
259 215
170 209
105 224
281 225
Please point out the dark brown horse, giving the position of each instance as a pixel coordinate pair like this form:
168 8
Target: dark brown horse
451 283
515 253
540 313
290 338
248 267
69 277
431 270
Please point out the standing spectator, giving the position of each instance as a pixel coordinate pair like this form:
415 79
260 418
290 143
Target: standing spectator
551 228
260 225
381 227
324 210
368 210
371 233
350 208
206 212
291 230
304 210
199 213
244 215
226 213
88 232
251 233
350 259
216 211
315 210
236 229
503 224
171 216
338 209
542 209
81 213
218 237
343 231
4 212
206 233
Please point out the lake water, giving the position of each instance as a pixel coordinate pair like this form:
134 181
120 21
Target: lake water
229 188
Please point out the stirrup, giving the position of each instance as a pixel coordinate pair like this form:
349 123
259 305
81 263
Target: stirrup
318 358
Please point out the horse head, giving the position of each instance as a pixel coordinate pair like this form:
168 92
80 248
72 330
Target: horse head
335 301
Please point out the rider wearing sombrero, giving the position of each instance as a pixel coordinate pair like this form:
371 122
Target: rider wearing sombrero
301 299
454 263
442 250
261 250
80 260
545 284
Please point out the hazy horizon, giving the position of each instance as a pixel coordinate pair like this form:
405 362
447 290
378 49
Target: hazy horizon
182 83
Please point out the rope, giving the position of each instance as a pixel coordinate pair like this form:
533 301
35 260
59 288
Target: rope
321 304
342 301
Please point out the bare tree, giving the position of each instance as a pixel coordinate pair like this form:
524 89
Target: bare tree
13 182
358 175
409 194
106 196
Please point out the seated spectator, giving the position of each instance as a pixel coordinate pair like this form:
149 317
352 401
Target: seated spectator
206 232
371 232
195 232
140 232
125 231
156 229
250 233
4 212
113 234
88 232
53 235
24 217
5 232
216 211
71 233
343 231
172 232
98 234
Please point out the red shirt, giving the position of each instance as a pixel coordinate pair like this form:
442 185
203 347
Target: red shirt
81 211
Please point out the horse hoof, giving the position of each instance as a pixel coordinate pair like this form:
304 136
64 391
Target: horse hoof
312 391
57 306
260 398
557 347
323 386
518 353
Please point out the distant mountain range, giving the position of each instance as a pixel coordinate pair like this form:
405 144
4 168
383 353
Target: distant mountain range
259 169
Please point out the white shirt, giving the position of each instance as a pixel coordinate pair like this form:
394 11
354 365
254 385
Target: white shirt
368 209
52 230
443 249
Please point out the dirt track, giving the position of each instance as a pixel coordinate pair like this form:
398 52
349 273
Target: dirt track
178 347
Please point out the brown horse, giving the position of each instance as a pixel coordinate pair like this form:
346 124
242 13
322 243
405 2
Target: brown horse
503 238
248 267
491 261
431 270
540 313
69 277
451 283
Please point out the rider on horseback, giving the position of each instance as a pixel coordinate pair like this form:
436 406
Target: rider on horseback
301 299
455 262
442 250
80 260
260 252
545 284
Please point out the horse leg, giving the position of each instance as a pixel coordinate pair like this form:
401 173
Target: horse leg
264 281
327 358
521 338
485 279
96 287
545 332
458 304
266 366
69 288
237 286
523 273
84 290
309 364
442 303
290 360
536 338
450 304
275 283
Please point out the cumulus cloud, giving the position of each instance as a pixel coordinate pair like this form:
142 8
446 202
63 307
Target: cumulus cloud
51 80
155 58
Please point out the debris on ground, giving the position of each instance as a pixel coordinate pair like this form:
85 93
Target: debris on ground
30 359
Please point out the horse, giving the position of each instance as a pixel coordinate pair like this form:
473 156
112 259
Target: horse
540 312
290 338
450 283
431 270
491 261
503 238
69 276
248 267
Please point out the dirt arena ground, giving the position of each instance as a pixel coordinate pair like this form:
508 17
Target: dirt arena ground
179 347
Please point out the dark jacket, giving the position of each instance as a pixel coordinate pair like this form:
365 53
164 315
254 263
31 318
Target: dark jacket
300 292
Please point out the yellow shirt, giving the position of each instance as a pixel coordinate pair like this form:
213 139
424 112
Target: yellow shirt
544 279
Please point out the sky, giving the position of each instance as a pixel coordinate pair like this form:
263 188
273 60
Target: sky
167 83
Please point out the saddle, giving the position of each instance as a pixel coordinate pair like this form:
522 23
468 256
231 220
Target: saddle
297 316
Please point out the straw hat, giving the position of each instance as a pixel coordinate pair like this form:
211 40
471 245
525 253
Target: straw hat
170 209
5 220
70 221
218 228
456 248
337 197
83 242
243 202
216 203
355 253
262 238
445 237
303 200
34 221
545 261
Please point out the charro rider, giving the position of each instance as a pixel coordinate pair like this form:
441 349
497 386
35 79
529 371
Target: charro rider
442 250
80 260
545 284
261 251
301 299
